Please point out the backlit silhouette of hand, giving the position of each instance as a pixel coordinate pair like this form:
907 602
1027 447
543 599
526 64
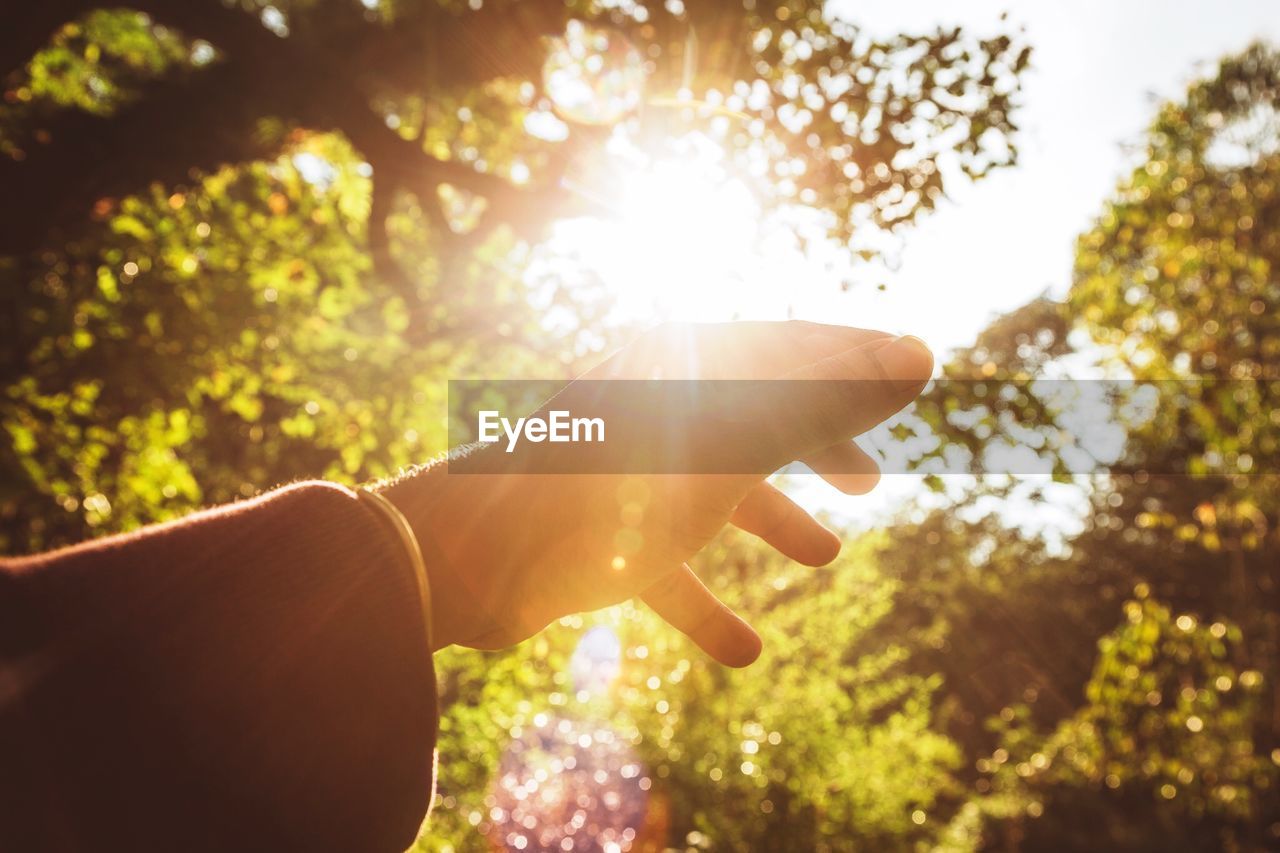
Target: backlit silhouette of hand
515 550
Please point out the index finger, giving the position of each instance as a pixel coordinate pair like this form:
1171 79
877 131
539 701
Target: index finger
836 398
738 350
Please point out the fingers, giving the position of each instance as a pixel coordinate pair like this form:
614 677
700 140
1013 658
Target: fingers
781 522
758 427
810 342
856 389
739 350
691 608
844 465
847 467
816 341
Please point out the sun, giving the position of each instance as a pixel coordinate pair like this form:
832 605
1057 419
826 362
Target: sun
680 238
688 234
678 234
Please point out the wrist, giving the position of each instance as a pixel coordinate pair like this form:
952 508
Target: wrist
420 498
398 526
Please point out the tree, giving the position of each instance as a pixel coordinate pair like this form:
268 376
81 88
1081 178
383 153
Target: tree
243 243
867 119
1121 686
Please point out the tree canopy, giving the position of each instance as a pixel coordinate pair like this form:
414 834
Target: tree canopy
245 243
259 233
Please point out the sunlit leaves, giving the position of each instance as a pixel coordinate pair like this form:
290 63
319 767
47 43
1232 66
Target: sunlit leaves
94 64
1161 730
829 736
1178 276
1169 712
241 308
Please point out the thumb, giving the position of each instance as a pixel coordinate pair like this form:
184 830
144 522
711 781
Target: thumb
686 603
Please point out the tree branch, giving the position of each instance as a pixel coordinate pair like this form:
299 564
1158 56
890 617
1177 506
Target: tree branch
29 26
89 157
319 77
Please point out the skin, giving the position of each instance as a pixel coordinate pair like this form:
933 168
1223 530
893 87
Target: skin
510 552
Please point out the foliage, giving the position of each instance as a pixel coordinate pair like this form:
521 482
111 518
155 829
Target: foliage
814 111
291 223
218 341
248 243
1169 712
1165 735
838 745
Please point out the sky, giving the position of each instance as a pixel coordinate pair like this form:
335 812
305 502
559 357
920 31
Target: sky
1099 71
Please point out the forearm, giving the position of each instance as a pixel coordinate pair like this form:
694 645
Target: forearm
261 669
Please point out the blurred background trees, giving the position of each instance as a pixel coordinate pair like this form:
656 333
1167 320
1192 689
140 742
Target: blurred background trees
262 233
1165 735
245 244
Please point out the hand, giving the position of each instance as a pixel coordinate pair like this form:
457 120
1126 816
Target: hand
521 550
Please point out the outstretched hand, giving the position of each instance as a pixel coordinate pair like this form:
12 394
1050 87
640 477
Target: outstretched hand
519 550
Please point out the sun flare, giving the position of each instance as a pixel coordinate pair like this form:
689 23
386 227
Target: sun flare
678 241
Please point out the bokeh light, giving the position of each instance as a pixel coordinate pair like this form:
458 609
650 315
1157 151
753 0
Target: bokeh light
592 75
568 783
596 661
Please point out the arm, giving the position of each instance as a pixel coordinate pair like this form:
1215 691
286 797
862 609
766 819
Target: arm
259 677
257 674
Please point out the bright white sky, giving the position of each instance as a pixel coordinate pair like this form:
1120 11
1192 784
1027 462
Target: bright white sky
1099 67
1099 70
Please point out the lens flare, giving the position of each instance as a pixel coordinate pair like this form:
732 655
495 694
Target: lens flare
682 240
596 661
568 785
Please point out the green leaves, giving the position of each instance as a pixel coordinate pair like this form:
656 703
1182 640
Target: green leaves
1157 731
828 736
1170 713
